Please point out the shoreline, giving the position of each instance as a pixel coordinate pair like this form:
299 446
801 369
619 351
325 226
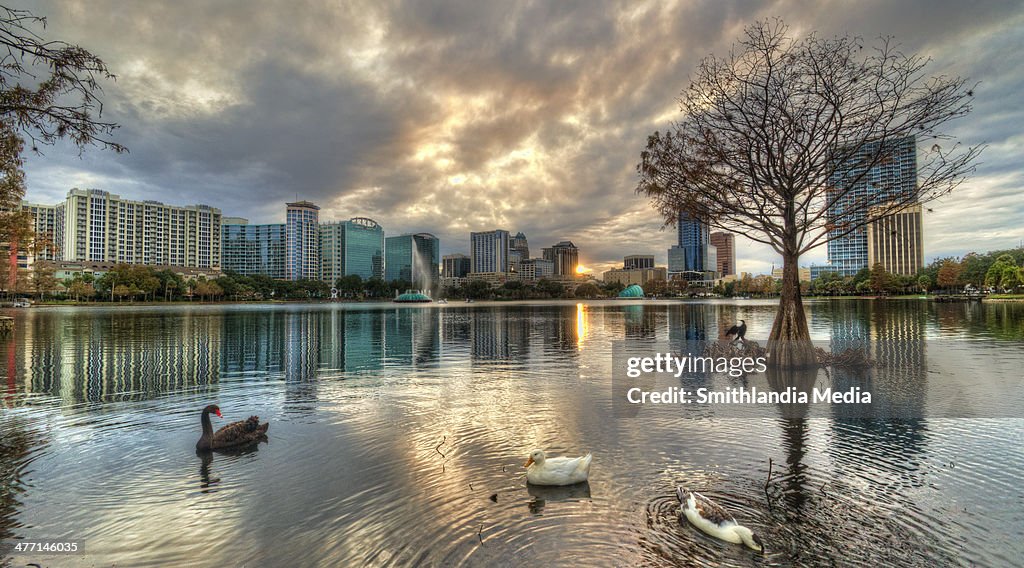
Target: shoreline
997 299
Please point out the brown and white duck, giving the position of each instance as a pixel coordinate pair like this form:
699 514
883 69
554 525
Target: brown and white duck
236 434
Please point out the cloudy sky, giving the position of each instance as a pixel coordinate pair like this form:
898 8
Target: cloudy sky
459 116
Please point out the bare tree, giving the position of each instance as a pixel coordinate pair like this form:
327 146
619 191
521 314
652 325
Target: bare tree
49 91
778 140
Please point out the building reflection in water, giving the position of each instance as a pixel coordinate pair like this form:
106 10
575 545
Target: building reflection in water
508 335
88 356
894 333
688 323
895 339
93 356
412 337
98 355
641 321
494 336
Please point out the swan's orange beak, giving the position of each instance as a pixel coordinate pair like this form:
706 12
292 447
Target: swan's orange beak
529 462
218 414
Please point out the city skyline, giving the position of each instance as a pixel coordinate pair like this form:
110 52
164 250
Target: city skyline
480 127
123 231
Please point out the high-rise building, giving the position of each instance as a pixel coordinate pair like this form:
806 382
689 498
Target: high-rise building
896 240
519 243
514 258
866 180
47 222
414 258
637 261
455 266
638 276
518 251
676 260
102 227
364 248
488 252
533 269
253 249
302 254
725 243
398 261
566 258
332 235
694 240
353 247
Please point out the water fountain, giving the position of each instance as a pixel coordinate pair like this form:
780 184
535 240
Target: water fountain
422 275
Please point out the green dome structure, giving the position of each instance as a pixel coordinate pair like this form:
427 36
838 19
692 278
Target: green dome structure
632 291
412 297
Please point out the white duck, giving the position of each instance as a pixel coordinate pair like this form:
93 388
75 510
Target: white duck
711 518
542 470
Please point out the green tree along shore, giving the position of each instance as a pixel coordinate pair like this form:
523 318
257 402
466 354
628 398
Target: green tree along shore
135 283
1001 271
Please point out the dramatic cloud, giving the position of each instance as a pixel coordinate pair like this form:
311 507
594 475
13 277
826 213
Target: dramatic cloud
450 117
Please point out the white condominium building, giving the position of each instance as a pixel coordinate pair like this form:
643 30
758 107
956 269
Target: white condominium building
102 227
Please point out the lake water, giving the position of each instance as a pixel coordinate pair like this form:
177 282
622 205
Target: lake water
397 437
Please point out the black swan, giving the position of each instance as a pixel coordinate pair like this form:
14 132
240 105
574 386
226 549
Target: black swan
235 434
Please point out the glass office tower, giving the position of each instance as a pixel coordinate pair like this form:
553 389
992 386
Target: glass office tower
253 249
364 248
693 239
414 258
874 175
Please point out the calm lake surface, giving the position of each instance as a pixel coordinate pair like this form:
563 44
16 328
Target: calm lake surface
398 434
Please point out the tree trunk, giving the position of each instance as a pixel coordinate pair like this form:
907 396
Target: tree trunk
789 344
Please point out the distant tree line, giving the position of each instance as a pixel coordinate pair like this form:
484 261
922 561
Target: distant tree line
133 283
513 290
1001 271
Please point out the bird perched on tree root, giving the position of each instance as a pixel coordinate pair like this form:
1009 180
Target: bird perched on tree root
740 331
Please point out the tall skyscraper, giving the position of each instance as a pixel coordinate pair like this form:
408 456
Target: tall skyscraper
725 243
565 256
364 248
488 251
414 258
518 251
332 235
253 249
866 185
398 252
455 266
353 247
896 241
302 256
102 227
694 240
